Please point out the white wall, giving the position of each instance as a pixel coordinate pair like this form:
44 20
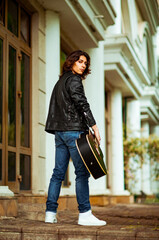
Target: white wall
134 131
115 28
133 118
95 92
117 159
52 75
145 171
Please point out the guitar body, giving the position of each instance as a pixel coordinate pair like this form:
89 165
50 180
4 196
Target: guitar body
91 155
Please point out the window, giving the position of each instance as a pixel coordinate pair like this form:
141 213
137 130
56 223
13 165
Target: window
2 8
0 164
13 22
15 97
25 27
25 172
25 100
1 86
63 57
12 97
11 166
13 16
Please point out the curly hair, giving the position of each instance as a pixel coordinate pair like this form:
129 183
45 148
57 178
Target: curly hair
72 58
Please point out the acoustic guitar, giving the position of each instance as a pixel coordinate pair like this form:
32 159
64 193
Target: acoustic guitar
91 155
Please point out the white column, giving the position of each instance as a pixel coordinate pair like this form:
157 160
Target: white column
155 130
52 75
116 28
133 127
133 118
117 162
154 183
145 171
95 92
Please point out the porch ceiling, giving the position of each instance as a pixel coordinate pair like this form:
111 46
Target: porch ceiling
147 114
83 22
153 93
123 68
150 105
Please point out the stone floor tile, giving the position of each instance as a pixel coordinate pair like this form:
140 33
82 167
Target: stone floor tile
115 238
10 236
148 234
76 237
36 236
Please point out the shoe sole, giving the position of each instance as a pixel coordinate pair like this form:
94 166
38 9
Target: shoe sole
86 224
55 221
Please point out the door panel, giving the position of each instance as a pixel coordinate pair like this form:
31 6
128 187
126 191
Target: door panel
0 165
1 86
25 101
12 97
25 172
11 166
12 132
12 16
15 96
1 109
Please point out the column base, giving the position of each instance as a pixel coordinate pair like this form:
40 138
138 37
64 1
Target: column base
5 192
120 193
8 203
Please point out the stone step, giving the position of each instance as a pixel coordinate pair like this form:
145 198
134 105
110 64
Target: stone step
36 211
33 207
124 222
31 211
70 202
8 206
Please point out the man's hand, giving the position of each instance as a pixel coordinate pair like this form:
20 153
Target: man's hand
96 133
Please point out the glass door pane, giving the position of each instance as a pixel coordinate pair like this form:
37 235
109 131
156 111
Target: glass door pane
25 26
1 86
25 172
11 166
12 98
2 5
0 164
63 57
13 16
25 101
1 102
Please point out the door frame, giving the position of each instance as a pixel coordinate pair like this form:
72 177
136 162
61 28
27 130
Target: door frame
2 145
9 39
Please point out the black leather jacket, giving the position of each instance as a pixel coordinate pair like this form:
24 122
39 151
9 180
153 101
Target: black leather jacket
69 109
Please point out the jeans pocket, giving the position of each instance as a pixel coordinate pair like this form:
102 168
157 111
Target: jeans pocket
71 136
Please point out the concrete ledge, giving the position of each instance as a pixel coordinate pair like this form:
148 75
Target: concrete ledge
102 200
33 230
124 222
30 198
70 202
8 206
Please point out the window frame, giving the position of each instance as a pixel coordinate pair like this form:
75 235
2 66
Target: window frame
9 39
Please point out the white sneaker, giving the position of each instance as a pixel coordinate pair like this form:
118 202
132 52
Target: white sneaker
88 219
50 217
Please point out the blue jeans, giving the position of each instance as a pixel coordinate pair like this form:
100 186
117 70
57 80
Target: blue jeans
66 148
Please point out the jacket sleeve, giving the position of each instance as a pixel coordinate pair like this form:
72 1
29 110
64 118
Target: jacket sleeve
76 91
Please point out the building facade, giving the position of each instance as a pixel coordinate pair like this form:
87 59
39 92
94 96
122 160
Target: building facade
121 39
